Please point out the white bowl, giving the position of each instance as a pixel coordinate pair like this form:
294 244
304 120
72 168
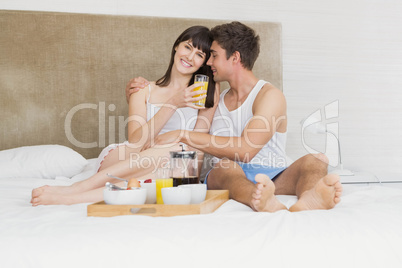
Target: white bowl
151 191
136 196
176 195
198 192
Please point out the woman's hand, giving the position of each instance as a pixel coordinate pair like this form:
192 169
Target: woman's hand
134 85
185 98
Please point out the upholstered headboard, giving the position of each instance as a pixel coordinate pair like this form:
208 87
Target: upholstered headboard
62 75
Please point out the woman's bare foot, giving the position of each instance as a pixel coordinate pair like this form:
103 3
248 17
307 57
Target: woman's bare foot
51 199
60 190
325 195
51 195
264 198
38 191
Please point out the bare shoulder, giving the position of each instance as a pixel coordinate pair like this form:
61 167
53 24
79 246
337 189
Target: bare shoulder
269 90
142 94
270 96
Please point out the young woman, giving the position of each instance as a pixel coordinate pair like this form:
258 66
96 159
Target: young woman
164 105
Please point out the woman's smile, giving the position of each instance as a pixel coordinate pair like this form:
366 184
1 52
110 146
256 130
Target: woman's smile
186 63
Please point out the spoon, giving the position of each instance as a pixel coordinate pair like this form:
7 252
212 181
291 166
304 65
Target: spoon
117 178
111 186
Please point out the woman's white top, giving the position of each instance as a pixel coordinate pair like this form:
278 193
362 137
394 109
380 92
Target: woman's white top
183 118
232 123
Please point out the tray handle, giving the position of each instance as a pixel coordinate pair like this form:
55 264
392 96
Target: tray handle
143 211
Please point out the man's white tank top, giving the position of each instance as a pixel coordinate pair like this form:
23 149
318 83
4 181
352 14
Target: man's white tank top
232 123
183 118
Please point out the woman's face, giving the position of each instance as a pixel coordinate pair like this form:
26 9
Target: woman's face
188 59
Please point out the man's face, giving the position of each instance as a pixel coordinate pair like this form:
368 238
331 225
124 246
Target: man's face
220 65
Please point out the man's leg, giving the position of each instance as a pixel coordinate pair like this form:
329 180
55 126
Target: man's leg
308 179
228 175
302 175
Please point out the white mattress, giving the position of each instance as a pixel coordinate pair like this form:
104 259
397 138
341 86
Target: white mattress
364 230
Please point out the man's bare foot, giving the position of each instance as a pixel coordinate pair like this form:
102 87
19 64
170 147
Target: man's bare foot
325 195
264 198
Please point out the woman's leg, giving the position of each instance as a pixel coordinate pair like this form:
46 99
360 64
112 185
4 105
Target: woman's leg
118 154
137 165
49 198
113 156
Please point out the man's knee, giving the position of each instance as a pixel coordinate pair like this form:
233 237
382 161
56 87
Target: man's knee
213 177
217 170
221 170
322 157
313 162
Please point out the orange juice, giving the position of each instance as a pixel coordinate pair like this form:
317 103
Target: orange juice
201 78
162 183
204 87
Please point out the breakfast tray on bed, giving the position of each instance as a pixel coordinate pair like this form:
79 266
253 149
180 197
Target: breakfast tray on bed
213 200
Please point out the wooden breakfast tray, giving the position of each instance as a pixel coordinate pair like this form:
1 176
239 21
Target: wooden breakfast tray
213 200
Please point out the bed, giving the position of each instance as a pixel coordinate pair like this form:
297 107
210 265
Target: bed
74 61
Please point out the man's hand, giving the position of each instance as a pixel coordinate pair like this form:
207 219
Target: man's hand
134 85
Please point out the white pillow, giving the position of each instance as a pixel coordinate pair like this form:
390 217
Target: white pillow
41 161
88 171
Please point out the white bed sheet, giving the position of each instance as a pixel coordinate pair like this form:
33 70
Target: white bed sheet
364 230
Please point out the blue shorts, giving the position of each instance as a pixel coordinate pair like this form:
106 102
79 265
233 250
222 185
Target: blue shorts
253 169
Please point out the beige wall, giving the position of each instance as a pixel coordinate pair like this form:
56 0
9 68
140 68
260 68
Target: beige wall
350 51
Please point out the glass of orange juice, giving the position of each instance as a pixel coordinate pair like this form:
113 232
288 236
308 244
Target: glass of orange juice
163 180
200 78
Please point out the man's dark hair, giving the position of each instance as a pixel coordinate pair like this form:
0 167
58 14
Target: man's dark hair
236 36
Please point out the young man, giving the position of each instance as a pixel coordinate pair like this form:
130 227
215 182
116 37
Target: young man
249 135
